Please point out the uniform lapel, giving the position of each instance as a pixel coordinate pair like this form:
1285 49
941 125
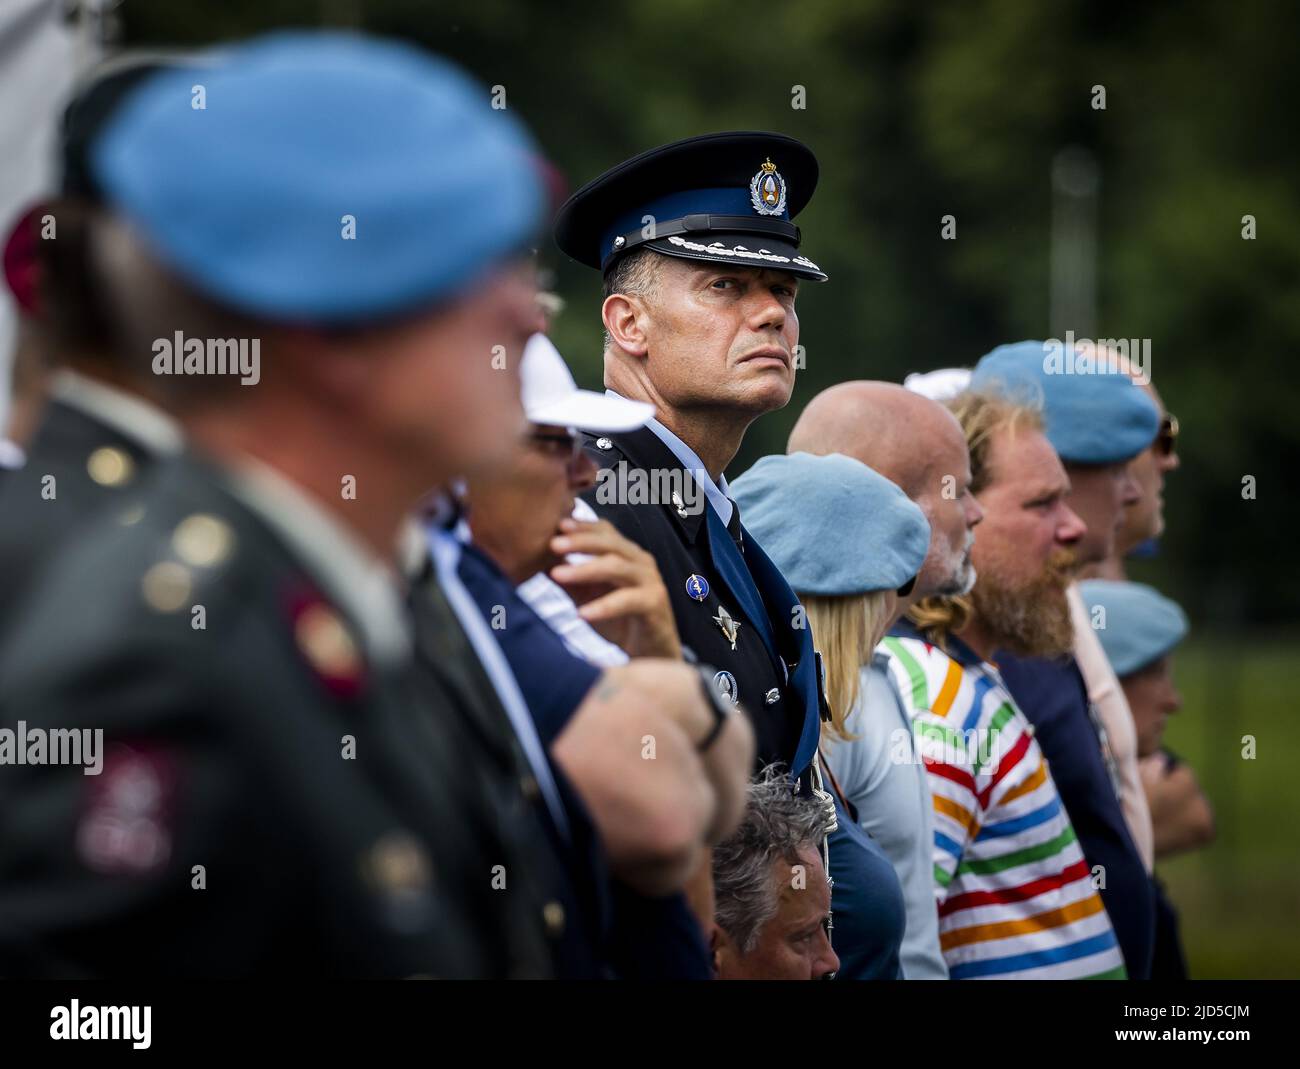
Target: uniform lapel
735 573
780 603
647 451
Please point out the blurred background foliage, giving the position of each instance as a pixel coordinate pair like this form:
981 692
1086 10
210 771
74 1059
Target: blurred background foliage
921 110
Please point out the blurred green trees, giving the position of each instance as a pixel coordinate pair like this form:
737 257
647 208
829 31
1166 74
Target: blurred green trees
921 110
918 111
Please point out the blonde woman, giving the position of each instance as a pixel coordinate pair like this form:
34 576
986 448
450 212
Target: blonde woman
848 541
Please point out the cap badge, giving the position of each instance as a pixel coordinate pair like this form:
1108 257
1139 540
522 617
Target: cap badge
767 190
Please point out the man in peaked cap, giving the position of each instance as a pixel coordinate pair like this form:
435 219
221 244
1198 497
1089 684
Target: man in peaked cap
699 252
1097 419
701 260
278 787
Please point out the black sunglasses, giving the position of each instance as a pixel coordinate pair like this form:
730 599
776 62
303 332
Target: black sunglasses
558 444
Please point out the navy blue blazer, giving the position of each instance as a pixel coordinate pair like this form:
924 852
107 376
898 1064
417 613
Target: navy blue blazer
639 937
1053 696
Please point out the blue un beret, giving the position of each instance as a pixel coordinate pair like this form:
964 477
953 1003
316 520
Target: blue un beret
1140 624
831 524
246 197
1093 416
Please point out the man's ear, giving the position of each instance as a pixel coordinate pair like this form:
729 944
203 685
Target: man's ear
624 319
335 368
718 942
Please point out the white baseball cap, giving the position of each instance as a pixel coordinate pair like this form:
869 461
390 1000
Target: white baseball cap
551 397
941 385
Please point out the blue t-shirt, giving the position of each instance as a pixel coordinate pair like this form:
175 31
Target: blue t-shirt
867 907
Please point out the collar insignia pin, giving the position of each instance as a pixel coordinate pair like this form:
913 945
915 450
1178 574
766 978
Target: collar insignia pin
730 627
697 587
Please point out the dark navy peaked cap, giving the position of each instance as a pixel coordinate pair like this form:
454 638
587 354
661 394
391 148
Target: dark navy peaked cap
723 198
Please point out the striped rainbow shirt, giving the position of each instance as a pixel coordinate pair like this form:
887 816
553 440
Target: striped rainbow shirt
1015 895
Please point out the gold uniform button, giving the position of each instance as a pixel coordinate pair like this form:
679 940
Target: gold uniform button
110 466
326 643
166 586
553 918
530 789
397 863
203 540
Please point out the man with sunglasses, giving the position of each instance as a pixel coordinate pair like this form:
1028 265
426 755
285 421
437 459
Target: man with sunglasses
1181 815
529 519
520 525
1144 520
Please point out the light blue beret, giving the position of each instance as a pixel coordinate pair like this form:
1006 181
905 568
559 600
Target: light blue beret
1092 416
246 197
831 524
1140 624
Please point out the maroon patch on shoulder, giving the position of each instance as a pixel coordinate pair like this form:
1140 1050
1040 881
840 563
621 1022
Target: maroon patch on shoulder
21 265
126 828
326 642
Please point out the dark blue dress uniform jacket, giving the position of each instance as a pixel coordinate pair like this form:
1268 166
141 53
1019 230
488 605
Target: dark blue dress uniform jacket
784 703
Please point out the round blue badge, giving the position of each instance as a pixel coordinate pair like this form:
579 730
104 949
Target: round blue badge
697 587
727 686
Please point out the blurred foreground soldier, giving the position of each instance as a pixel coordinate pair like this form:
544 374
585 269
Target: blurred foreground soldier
97 435
773 895
277 789
1096 420
850 541
1014 890
1140 629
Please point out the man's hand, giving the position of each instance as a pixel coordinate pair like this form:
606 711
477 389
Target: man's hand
619 591
630 751
1181 815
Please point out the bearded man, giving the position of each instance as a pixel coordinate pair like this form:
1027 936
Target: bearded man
1098 421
